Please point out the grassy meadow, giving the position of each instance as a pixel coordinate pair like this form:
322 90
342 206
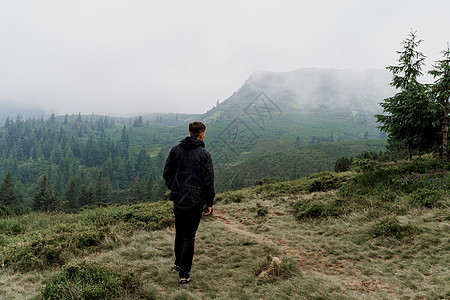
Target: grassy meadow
379 231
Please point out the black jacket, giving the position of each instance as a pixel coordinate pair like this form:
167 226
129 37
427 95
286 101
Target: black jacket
189 174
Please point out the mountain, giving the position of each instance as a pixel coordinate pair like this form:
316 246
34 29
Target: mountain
309 89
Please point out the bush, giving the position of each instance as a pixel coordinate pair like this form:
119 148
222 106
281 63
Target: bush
11 226
423 164
319 207
324 181
11 210
390 227
91 281
427 198
229 197
262 212
343 164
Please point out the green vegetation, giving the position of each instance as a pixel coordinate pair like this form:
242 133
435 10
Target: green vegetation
291 164
417 116
91 281
390 227
37 241
78 202
67 163
379 231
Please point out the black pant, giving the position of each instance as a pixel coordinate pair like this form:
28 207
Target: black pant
186 224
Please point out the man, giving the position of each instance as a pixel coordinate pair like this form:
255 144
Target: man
189 175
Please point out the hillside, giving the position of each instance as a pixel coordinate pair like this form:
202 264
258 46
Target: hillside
308 89
291 163
380 231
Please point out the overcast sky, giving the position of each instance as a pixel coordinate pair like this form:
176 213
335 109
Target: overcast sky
133 57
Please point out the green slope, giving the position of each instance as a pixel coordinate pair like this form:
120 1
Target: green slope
381 233
291 163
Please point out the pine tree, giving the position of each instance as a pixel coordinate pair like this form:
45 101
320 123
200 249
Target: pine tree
441 91
102 189
411 113
8 193
150 188
72 197
86 196
138 190
138 122
45 199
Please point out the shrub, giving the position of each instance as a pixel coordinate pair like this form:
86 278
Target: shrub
427 198
311 209
319 207
289 267
343 164
422 164
324 181
11 226
229 197
91 281
11 210
364 164
390 226
262 212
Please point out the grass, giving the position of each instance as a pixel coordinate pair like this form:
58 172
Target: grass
367 247
87 280
38 241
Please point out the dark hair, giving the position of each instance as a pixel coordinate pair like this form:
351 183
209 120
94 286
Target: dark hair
196 128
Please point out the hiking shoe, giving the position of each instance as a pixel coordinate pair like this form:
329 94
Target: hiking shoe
175 269
184 282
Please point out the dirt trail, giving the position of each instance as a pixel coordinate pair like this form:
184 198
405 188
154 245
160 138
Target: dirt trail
312 261
293 252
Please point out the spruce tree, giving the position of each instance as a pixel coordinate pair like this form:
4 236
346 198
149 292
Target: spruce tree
102 189
45 199
86 196
150 188
411 113
8 192
441 91
72 197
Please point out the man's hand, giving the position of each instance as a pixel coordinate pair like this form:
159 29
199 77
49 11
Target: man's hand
207 210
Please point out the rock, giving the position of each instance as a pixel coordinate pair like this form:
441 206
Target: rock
274 269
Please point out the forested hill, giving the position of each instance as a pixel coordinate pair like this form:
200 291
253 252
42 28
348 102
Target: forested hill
82 161
310 89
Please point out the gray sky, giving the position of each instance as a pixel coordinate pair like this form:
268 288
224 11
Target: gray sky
133 57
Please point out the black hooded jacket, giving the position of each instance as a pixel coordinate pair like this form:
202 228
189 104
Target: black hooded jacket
189 174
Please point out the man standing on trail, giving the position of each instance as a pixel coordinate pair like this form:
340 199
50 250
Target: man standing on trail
189 175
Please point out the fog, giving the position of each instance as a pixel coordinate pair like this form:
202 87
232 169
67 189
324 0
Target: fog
134 57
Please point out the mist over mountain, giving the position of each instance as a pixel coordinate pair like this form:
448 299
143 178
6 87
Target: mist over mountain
13 110
311 89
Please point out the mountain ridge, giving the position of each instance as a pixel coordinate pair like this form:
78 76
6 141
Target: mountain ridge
309 89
